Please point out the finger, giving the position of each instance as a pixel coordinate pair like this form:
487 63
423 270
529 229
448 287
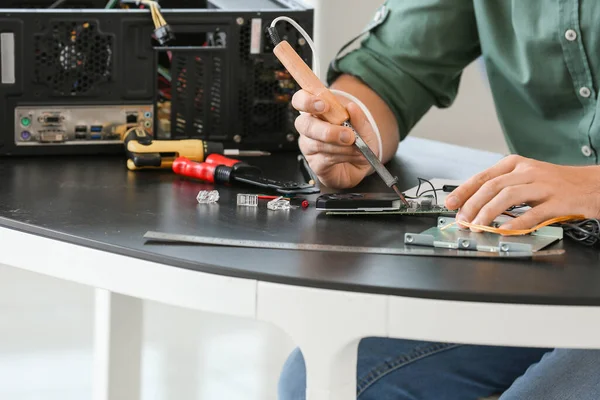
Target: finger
316 129
488 191
462 193
533 217
306 102
507 197
310 146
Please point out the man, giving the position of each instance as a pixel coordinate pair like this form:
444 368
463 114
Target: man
543 63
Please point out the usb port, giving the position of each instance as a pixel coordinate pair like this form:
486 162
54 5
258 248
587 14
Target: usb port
96 136
80 129
96 128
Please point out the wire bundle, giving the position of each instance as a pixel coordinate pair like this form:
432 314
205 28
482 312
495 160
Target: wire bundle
586 231
162 30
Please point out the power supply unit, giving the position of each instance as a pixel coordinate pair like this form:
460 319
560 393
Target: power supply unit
70 77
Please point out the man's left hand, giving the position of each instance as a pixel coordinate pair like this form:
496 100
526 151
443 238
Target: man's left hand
551 191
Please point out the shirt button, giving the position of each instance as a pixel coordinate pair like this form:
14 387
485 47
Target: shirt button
571 35
584 92
586 151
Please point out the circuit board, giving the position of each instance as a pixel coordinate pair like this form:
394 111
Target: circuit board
424 206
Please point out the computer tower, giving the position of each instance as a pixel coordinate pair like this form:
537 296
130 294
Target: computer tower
69 77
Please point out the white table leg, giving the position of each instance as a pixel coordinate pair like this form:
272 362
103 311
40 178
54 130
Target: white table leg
327 325
118 334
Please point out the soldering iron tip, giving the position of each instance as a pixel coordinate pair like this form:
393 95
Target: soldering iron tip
399 193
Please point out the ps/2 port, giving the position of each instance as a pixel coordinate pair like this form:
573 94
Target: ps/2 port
147 124
25 135
25 121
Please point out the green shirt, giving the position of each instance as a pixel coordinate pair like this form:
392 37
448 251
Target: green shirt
542 59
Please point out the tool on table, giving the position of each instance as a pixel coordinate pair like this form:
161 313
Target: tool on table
337 114
215 241
144 153
219 169
216 168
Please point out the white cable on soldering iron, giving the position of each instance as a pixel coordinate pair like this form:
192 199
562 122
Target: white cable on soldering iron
316 69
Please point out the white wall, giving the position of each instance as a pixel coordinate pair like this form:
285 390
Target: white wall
471 121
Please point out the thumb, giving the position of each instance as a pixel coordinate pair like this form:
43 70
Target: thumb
358 118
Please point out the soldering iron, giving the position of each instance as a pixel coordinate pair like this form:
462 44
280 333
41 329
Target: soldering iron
337 113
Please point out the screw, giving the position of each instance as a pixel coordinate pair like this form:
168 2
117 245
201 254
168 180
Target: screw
237 138
301 41
442 222
409 238
504 247
240 21
465 243
290 137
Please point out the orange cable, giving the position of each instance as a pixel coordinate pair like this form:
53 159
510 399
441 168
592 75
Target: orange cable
516 232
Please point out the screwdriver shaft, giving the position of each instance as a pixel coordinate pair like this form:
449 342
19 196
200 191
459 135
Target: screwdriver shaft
245 153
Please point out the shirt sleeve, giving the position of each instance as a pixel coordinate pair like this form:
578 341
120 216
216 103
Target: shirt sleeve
415 56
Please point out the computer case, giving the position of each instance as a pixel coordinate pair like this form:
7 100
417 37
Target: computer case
68 77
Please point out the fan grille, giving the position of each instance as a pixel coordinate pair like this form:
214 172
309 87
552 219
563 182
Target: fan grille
73 58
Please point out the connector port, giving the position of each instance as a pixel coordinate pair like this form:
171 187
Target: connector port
96 136
132 118
81 129
96 128
52 136
52 120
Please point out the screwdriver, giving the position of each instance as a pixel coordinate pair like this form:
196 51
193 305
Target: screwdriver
337 114
144 152
216 168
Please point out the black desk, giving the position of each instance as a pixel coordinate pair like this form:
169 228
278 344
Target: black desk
96 202
82 219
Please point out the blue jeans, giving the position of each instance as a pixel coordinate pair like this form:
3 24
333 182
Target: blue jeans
396 369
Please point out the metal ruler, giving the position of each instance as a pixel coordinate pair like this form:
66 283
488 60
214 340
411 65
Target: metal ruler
404 251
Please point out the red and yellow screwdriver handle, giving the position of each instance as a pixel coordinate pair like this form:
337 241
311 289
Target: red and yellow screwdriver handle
308 81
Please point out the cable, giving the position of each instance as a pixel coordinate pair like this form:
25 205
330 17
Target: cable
586 232
56 3
317 71
111 3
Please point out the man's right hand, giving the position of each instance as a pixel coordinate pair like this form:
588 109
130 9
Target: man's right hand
329 149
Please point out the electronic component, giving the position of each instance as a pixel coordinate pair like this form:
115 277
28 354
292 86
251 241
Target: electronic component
68 125
227 88
278 204
250 200
207 196
447 235
358 202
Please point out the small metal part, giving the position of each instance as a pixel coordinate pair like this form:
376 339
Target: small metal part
245 153
237 138
250 200
290 137
239 21
301 41
279 204
207 196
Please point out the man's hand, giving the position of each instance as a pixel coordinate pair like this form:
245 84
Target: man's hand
329 148
551 190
